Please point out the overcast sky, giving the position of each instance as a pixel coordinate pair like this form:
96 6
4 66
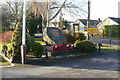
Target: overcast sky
103 9
99 9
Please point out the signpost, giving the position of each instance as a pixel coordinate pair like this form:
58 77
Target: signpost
93 30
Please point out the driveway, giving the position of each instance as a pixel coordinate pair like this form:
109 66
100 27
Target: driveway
97 66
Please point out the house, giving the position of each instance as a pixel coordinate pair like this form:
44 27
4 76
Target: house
108 21
83 23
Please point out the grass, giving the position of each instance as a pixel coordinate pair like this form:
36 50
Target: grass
41 42
107 49
4 62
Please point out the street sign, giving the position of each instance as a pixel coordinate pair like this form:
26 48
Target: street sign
93 30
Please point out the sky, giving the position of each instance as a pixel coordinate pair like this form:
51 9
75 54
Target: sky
99 9
102 9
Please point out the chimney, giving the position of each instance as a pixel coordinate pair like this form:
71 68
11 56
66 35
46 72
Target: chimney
99 20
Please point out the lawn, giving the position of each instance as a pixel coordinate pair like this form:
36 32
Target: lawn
41 42
107 49
4 62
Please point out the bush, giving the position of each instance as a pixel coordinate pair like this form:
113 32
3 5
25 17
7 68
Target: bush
79 36
4 49
112 30
85 46
7 50
76 36
6 37
37 49
69 38
29 42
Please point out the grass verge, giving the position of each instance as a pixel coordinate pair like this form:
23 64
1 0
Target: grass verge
4 62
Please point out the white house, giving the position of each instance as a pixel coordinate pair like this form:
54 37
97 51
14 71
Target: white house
83 23
108 21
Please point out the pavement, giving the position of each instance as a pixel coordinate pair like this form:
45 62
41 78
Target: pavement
97 66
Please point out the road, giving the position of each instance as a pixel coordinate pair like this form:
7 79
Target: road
106 41
97 66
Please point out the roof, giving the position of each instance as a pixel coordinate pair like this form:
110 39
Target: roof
117 20
92 22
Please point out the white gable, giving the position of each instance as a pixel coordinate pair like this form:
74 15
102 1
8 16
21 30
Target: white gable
111 22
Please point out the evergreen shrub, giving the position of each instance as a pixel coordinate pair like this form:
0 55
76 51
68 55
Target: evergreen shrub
37 49
79 36
85 46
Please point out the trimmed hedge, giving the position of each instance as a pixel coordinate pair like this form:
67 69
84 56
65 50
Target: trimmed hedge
85 46
112 30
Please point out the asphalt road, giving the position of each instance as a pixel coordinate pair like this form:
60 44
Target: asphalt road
97 66
106 41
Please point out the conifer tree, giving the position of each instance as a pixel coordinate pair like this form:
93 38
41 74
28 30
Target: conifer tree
16 42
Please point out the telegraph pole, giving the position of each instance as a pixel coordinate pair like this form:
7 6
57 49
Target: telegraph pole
23 46
47 13
88 20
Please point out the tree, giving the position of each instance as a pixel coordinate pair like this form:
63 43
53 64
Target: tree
6 17
16 42
61 23
16 8
34 25
53 9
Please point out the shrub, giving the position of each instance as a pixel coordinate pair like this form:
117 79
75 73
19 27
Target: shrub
112 30
4 49
79 36
6 36
7 50
85 46
69 38
37 49
76 36
29 42
17 41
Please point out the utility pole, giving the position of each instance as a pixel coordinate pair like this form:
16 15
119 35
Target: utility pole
88 20
47 25
23 46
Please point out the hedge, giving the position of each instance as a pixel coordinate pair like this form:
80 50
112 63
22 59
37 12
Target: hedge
112 30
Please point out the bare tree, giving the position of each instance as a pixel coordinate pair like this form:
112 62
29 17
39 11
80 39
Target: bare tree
53 9
16 9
